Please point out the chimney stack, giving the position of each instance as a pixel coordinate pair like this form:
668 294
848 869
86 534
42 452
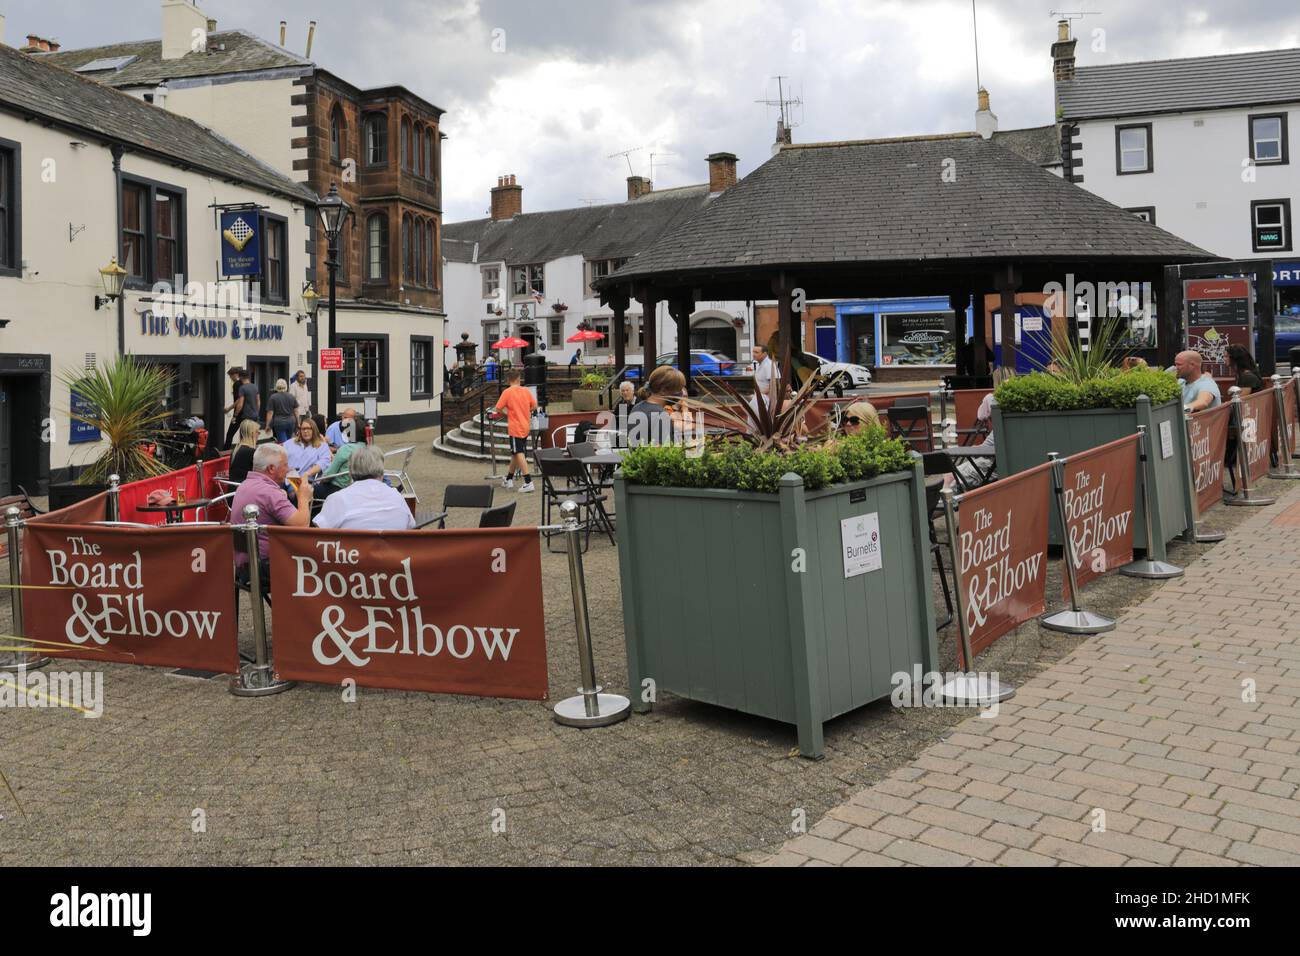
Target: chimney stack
311 35
507 198
1063 53
638 186
284 26
160 95
722 171
2 29
184 29
986 121
37 44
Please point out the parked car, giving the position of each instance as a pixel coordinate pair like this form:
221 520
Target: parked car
703 362
1286 329
855 376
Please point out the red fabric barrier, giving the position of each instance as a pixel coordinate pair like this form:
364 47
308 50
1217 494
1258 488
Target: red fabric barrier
966 402
91 509
1207 437
1258 415
136 493
1098 493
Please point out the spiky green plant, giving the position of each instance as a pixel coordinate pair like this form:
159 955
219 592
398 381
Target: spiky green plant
127 401
1071 362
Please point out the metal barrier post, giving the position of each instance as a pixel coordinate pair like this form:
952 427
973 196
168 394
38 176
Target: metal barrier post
15 659
1285 469
114 498
1148 568
590 708
1072 621
968 687
1194 535
258 678
1244 498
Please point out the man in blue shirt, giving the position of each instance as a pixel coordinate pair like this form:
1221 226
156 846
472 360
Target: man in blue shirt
1200 390
335 436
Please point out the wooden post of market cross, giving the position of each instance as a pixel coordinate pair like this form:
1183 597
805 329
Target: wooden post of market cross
1007 282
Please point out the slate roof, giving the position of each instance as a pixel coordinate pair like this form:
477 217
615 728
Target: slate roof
31 86
1173 86
609 231
885 201
1038 144
243 53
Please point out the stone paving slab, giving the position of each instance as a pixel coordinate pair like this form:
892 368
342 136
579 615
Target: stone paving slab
1173 740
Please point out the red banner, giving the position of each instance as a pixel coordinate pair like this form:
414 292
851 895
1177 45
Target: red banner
1207 437
1002 555
453 612
1098 498
135 493
94 508
162 597
1258 415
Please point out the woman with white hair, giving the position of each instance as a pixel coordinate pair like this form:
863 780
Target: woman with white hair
366 503
281 412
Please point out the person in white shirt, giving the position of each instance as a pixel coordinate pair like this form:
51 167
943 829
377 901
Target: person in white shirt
367 503
765 378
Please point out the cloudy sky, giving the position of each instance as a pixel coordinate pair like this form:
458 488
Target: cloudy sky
549 89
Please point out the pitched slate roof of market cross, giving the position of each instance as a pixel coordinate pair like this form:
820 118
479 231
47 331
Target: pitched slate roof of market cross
31 87
885 201
1180 86
609 231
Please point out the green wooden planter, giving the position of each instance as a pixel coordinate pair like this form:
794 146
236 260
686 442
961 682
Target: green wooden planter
714 611
1024 439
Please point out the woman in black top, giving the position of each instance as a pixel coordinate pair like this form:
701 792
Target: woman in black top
1241 364
241 459
651 420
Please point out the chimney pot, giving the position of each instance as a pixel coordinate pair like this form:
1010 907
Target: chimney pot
722 171
1062 29
986 121
507 199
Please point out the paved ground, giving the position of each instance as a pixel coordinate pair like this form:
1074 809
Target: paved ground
413 778
1172 740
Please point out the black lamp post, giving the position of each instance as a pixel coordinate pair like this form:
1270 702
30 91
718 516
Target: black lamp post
334 213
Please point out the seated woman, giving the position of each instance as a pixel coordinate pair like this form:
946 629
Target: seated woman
858 416
337 476
241 458
653 421
308 454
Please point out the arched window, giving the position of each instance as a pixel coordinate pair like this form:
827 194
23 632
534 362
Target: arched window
431 264
377 247
417 140
336 134
406 143
428 153
406 248
376 139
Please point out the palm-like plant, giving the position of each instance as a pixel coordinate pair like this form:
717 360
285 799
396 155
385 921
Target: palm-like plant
1070 361
125 400
779 425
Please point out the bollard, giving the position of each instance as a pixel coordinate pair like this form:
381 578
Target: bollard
114 498
1074 620
1244 498
1285 469
966 688
26 659
258 678
1193 534
1148 568
590 708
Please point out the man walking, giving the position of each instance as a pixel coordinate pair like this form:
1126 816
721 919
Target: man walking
519 404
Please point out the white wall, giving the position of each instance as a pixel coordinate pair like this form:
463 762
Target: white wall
1196 185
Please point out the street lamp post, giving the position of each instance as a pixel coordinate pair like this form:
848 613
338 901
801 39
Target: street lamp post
334 213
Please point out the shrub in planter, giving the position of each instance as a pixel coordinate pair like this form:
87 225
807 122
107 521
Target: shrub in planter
590 393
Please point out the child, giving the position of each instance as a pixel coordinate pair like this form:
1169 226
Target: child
519 404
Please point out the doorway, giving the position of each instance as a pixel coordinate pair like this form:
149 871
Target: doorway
21 414
264 371
529 334
826 344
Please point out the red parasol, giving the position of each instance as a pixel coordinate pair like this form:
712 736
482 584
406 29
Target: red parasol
586 335
510 342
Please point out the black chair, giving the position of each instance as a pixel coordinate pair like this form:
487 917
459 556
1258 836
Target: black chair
941 463
581 449
591 503
501 517
932 493
465 496
912 401
912 424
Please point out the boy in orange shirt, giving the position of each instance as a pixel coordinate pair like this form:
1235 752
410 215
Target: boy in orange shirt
519 404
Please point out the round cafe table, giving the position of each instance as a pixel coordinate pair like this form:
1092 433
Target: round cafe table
175 512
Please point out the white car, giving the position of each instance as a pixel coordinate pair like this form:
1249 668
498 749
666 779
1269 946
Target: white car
855 376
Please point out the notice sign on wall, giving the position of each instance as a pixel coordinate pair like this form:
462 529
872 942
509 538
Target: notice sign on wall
860 536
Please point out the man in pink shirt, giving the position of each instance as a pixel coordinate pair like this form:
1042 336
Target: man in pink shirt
264 487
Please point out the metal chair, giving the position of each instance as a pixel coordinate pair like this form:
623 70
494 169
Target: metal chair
502 517
581 449
932 492
941 463
568 431
466 496
912 424
404 484
579 489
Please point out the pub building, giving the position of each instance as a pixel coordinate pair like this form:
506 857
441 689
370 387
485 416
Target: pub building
213 242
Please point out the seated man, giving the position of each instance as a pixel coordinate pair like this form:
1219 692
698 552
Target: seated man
367 502
1200 390
264 487
336 435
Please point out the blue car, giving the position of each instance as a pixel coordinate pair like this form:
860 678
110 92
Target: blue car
703 362
1286 336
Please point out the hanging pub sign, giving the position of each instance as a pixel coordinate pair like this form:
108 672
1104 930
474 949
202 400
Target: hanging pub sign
78 431
241 243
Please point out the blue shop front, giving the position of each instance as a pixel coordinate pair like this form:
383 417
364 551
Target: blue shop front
887 333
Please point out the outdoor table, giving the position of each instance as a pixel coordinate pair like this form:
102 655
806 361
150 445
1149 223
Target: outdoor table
973 454
425 518
175 511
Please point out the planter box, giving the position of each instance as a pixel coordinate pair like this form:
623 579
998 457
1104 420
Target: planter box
714 611
1023 440
586 400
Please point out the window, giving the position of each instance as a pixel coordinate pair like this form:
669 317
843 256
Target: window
557 334
364 362
1271 225
421 367
406 248
430 261
491 333
336 134
1268 139
275 266
491 281
525 280
376 139
599 268
1145 213
919 338
428 153
153 233
406 144
10 194
1133 149
377 247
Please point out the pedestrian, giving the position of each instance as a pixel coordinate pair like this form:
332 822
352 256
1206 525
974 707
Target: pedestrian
366 502
233 373
281 412
518 403
343 430
301 394
577 357
766 378
247 400
264 487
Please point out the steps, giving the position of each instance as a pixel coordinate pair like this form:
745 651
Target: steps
463 442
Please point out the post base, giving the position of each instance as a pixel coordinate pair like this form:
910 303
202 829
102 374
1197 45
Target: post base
1289 472
29 662
1155 570
1241 501
258 681
1076 622
609 709
1206 537
974 690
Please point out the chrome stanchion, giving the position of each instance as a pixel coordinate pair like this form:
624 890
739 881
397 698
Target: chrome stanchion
114 498
590 708
258 678
1193 534
1285 469
1147 567
1244 498
19 660
1074 620
968 688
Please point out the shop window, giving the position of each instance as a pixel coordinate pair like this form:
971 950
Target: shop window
921 338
